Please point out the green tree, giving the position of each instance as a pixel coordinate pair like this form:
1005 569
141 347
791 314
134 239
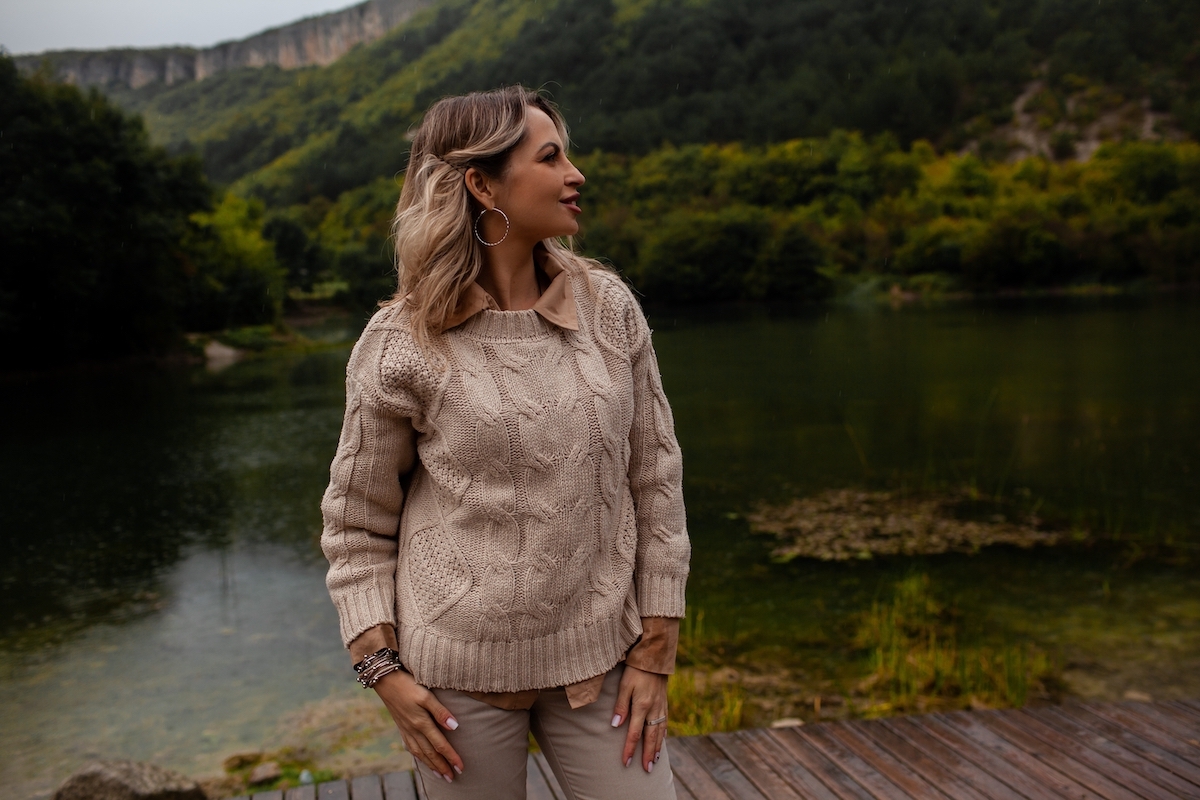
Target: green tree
91 216
232 276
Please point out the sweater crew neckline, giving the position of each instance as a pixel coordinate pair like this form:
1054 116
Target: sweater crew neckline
506 326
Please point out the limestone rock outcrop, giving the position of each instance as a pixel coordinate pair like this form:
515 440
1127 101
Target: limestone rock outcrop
316 40
127 780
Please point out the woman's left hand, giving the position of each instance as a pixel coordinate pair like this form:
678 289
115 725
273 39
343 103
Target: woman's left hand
642 697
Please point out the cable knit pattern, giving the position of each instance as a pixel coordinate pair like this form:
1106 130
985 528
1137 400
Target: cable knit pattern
544 514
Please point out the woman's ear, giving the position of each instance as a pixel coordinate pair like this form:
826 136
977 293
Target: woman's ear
481 188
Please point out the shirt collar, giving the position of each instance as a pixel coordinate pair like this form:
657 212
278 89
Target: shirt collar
556 305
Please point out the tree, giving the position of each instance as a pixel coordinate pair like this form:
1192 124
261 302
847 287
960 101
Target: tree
91 216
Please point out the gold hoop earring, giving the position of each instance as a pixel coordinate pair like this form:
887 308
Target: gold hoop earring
506 227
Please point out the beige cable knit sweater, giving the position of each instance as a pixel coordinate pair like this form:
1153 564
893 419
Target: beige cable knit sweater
544 510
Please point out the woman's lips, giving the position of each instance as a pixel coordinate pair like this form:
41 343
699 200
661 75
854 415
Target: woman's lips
572 203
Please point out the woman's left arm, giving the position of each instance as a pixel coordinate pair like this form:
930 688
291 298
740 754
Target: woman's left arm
663 549
642 697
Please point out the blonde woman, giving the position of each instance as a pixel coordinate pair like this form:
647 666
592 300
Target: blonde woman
504 521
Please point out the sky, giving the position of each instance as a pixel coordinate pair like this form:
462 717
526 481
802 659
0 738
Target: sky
31 26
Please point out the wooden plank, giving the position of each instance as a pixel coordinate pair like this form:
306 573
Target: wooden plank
724 771
919 762
1192 704
306 792
973 729
536 787
888 765
812 758
1165 721
399 786
1186 716
1146 730
781 760
970 764
277 794
549 776
366 787
870 778
757 770
333 790
1100 773
691 773
681 791
1132 741
1148 770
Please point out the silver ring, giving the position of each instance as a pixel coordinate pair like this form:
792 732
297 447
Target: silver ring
658 721
506 227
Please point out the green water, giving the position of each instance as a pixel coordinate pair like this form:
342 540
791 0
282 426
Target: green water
162 591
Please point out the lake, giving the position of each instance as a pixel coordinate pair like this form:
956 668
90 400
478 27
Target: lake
163 594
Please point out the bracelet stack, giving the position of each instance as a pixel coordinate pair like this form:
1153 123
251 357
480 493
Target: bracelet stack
376 665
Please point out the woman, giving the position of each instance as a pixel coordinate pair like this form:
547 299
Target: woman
504 521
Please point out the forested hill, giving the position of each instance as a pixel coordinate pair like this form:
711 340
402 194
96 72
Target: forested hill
632 75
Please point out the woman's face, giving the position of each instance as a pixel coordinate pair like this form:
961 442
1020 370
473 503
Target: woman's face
539 190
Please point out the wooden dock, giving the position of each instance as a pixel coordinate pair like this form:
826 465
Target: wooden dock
1089 751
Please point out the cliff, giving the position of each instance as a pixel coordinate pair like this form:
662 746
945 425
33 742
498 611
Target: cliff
316 40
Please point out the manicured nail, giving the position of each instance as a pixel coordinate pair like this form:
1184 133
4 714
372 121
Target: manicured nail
452 723
629 761
457 769
650 767
616 720
448 778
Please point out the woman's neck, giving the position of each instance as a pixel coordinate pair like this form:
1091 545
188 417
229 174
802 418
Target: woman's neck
508 275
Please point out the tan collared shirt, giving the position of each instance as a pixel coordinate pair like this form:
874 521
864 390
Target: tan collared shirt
655 650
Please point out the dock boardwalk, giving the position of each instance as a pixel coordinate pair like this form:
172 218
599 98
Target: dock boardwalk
1086 751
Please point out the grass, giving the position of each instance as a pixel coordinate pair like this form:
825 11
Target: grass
699 704
700 700
917 663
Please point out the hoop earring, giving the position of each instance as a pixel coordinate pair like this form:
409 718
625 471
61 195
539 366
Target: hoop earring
506 227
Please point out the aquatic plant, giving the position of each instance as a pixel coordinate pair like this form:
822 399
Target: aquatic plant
842 524
918 664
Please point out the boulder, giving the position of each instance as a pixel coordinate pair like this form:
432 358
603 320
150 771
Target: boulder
127 780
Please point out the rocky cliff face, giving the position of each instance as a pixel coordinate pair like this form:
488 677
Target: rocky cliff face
316 40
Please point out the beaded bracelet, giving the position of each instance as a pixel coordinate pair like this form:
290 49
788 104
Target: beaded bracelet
376 665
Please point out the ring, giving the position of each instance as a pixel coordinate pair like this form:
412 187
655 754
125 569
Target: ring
658 721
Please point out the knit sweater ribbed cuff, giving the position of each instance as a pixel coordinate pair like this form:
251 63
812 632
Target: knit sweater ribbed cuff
362 610
661 595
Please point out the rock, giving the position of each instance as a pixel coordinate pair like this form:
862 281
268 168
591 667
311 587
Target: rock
127 780
1140 697
265 772
241 761
787 722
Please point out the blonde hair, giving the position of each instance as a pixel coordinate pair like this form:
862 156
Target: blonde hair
437 255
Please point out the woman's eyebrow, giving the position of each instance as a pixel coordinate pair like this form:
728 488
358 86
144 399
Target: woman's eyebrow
548 144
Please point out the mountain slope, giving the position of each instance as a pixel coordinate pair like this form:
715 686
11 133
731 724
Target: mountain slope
633 74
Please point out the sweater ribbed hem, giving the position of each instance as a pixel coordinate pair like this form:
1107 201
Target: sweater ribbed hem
662 595
506 326
361 611
559 659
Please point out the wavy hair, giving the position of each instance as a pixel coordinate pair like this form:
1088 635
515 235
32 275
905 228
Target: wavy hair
437 255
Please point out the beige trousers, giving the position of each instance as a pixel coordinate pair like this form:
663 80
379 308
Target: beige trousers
581 746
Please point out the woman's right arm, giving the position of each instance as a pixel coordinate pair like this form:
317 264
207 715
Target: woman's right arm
361 510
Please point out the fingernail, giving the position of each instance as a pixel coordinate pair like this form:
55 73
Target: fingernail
616 720
629 761
650 767
448 778
457 769
452 723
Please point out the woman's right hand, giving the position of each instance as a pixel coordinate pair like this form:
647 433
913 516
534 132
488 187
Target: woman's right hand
415 709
